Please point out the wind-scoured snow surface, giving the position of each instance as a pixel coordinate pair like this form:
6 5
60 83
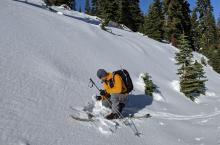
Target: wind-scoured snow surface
46 60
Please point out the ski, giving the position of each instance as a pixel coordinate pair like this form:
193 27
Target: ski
92 118
82 119
141 116
88 115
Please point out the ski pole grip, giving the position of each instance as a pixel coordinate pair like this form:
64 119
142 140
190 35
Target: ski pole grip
94 84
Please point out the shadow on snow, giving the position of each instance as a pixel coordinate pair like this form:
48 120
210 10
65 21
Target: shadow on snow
136 103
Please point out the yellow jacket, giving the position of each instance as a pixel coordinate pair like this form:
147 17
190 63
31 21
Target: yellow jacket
118 87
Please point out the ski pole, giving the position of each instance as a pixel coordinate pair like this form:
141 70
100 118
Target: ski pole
118 113
93 83
136 132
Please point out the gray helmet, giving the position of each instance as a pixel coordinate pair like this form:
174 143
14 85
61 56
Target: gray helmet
101 73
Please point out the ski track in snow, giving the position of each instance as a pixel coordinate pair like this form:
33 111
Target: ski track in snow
170 116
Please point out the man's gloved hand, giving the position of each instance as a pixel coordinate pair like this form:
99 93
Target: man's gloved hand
103 92
98 98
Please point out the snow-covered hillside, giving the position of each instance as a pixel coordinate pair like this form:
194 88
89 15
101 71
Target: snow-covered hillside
46 60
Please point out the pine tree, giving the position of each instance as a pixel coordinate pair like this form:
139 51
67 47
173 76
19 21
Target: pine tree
195 30
73 5
94 7
177 20
59 2
215 60
201 78
207 25
218 27
191 74
80 9
108 11
208 35
124 12
153 25
149 85
218 23
130 14
190 84
184 56
97 9
136 19
87 7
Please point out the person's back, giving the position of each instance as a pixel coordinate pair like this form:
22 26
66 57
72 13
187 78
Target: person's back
114 93
114 84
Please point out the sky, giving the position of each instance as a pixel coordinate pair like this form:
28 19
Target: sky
144 4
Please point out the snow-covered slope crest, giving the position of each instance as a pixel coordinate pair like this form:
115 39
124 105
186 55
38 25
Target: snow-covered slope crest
46 60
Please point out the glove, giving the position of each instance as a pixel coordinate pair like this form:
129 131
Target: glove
103 92
98 98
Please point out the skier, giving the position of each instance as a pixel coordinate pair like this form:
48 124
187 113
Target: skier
114 95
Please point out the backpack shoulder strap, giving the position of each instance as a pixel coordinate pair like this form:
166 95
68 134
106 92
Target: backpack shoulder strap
113 76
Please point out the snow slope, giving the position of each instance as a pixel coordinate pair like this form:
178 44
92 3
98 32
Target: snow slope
46 60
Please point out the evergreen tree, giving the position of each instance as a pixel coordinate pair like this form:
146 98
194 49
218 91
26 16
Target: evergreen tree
207 25
199 68
87 7
216 53
201 78
130 14
191 74
108 11
80 9
184 56
124 12
137 18
73 5
177 20
153 25
208 35
94 7
149 85
195 30
190 83
215 60
218 23
218 27
59 2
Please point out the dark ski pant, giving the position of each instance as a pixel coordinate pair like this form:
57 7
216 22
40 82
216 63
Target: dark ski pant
115 101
